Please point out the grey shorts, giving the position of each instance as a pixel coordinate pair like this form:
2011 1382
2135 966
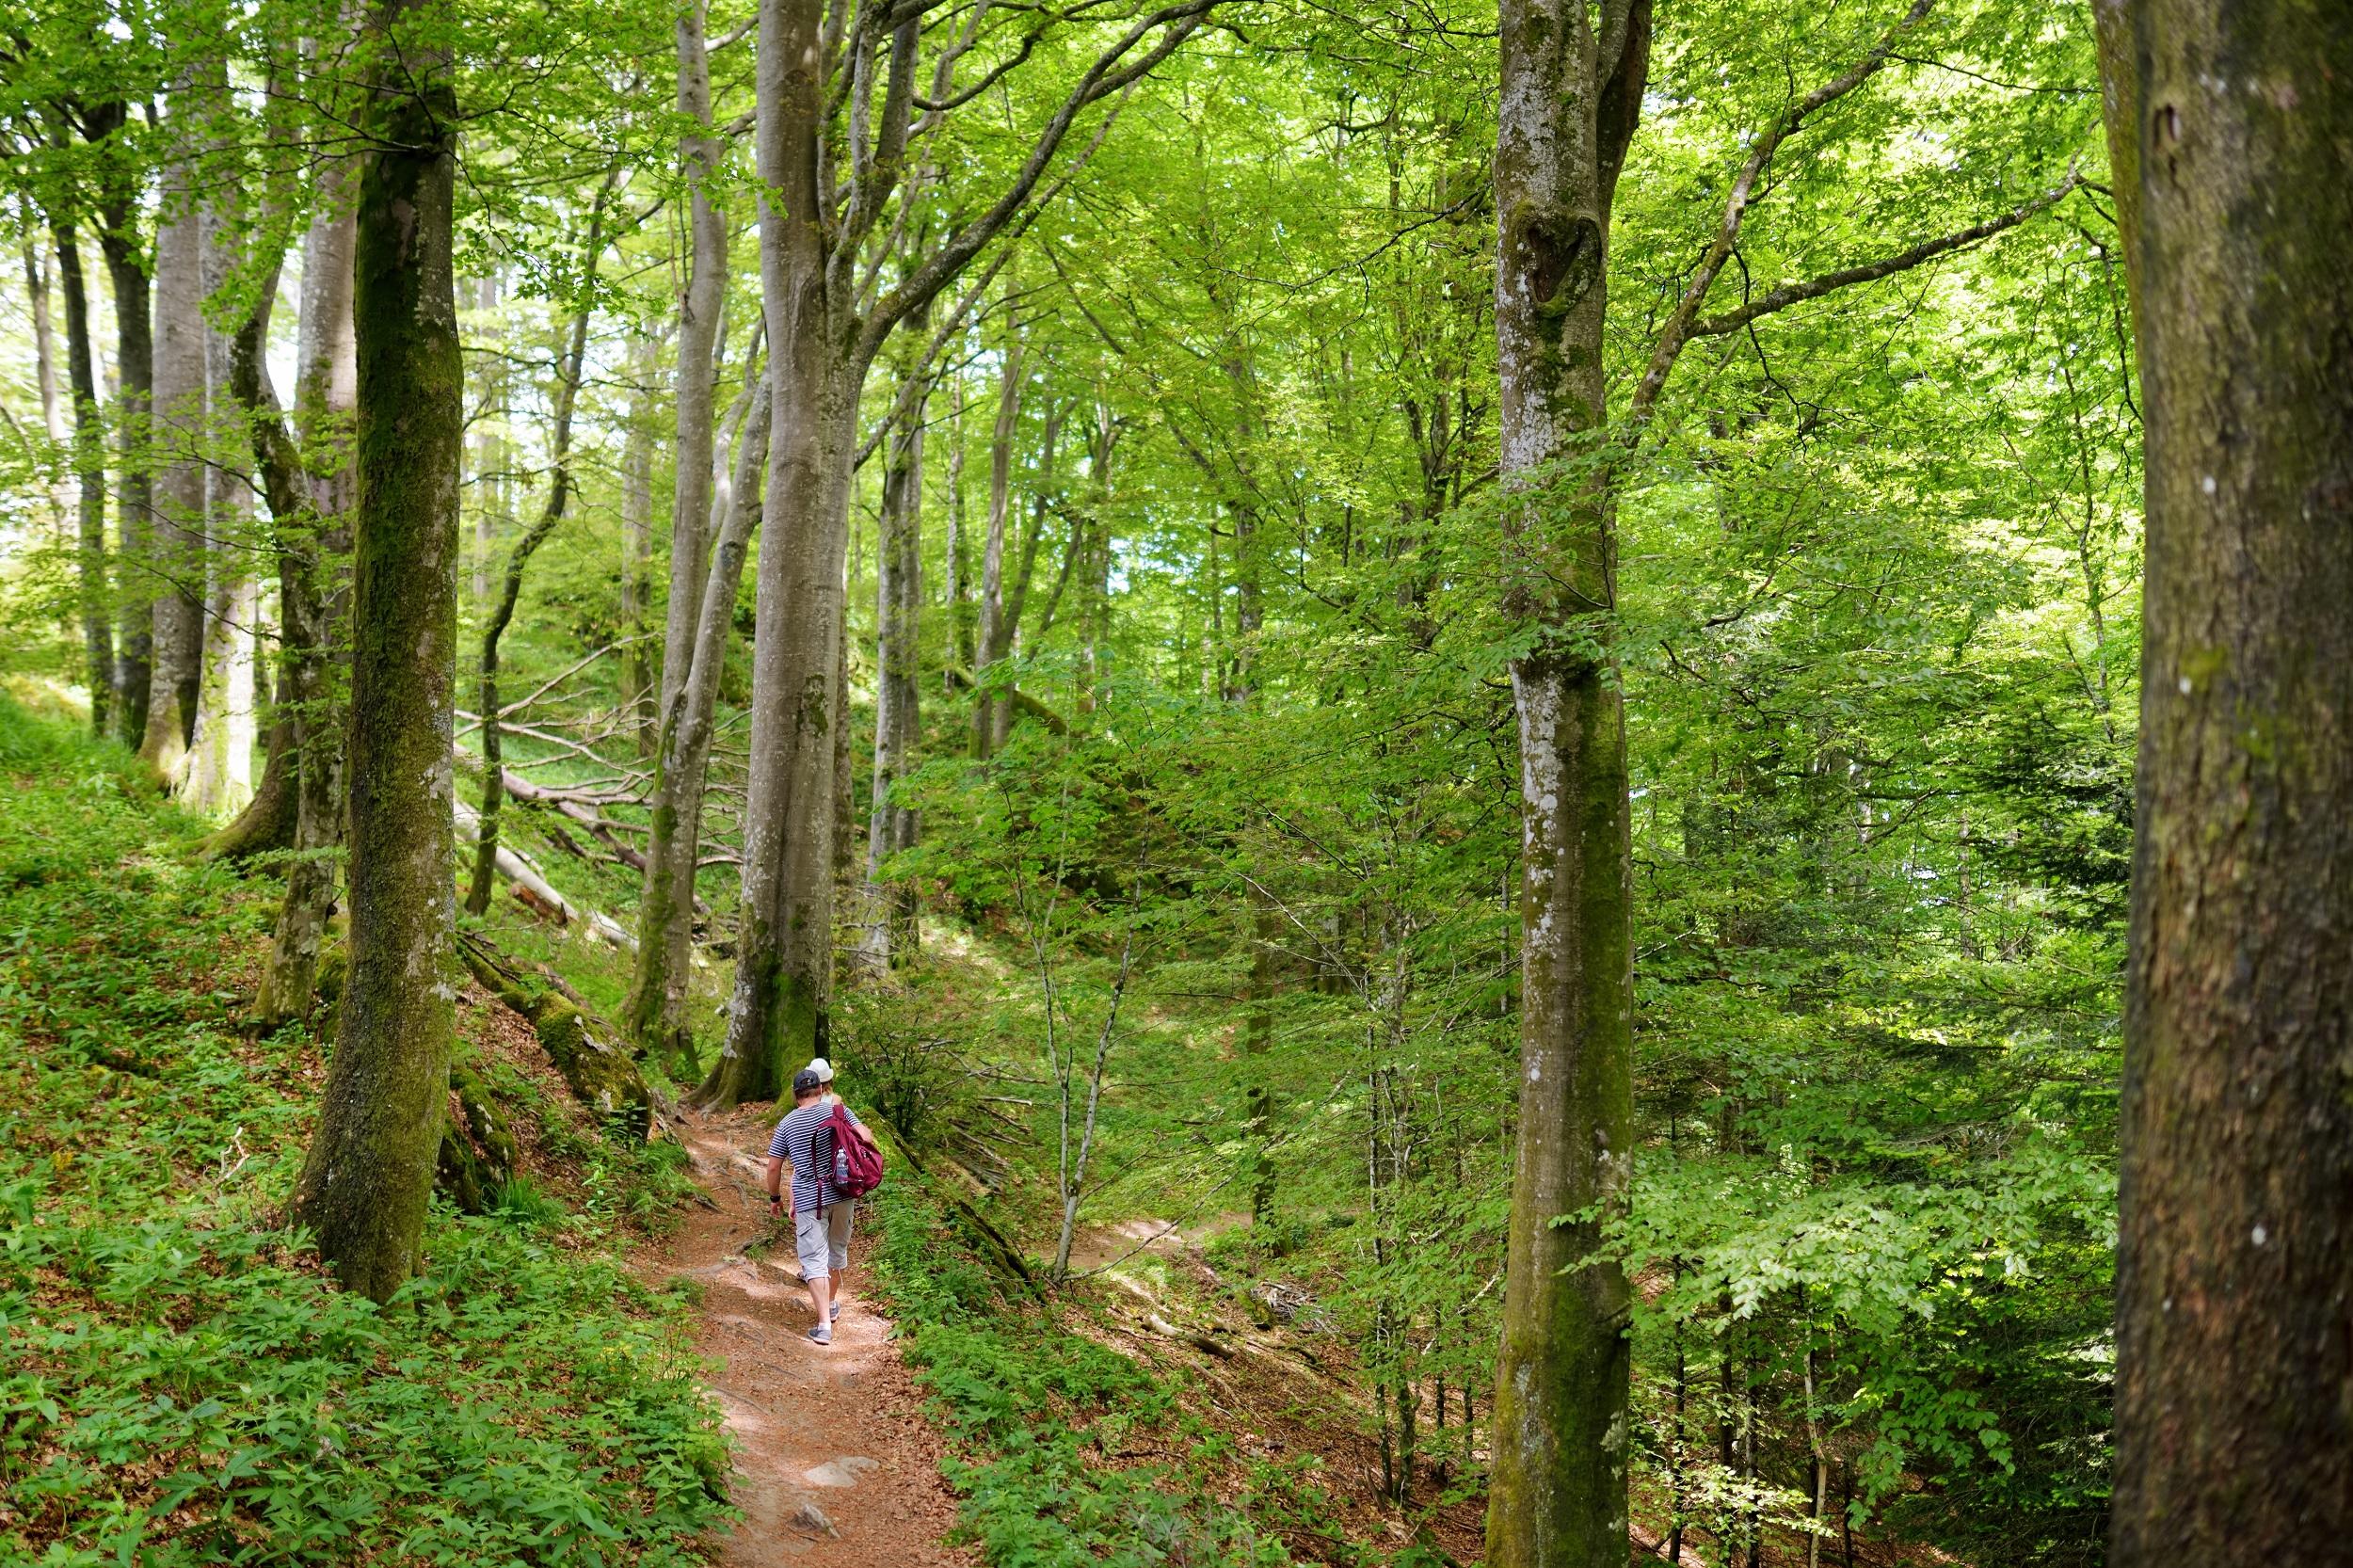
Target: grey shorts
823 1240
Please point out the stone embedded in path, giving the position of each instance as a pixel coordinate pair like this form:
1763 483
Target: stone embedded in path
808 1516
841 1472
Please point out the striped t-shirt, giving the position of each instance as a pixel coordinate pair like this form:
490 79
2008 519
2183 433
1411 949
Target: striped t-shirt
795 1143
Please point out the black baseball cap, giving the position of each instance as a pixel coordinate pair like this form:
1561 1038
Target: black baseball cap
807 1083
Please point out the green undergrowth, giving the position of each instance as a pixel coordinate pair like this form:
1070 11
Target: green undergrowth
179 1382
1064 1451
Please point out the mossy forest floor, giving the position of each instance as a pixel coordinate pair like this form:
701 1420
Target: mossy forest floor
179 1383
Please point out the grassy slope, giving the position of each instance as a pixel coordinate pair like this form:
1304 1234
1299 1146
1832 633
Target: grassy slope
177 1382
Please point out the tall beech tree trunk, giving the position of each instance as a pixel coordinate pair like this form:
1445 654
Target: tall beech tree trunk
175 554
2234 1280
666 905
1011 644
1095 566
638 701
958 549
495 498
220 747
45 376
89 474
134 373
1572 86
658 1000
364 1186
898 660
784 942
992 638
310 491
701 303
569 374
816 213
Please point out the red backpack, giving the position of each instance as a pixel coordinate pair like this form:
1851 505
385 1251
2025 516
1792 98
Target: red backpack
856 1163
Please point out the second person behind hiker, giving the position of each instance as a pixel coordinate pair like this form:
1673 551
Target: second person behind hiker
821 1213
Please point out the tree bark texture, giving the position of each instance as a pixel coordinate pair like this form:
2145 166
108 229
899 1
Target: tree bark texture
2235 1279
897 661
370 1171
90 475
1572 83
175 553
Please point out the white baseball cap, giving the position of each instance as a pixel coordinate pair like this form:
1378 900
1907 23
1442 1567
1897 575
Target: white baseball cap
823 1068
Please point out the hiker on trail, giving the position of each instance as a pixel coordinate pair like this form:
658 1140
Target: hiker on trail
807 1138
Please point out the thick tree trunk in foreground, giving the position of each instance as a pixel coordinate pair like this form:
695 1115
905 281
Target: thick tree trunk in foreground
897 650
655 1009
175 546
89 473
2234 1281
1572 86
364 1187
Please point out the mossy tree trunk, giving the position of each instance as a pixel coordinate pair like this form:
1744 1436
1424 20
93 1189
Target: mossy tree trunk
364 1187
2234 1281
1572 84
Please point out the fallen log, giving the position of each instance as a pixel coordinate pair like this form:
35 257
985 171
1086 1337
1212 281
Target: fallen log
584 1047
536 892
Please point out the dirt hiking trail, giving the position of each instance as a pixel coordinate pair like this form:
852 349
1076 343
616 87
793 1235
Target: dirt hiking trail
835 1459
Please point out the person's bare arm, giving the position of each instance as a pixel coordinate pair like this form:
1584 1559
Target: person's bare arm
775 1176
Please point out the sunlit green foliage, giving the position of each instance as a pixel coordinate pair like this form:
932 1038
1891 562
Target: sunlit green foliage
178 1381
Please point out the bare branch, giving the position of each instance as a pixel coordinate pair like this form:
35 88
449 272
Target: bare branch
1105 76
1678 329
1814 288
